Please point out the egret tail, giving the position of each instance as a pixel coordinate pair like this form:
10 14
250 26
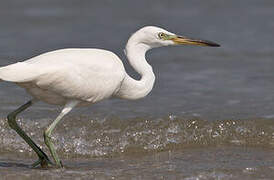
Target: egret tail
18 72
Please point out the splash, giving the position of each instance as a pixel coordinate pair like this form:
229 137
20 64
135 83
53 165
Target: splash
82 136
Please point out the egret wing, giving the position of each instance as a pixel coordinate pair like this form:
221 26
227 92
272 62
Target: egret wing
86 74
89 83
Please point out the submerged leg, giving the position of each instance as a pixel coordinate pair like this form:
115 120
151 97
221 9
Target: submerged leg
43 158
47 134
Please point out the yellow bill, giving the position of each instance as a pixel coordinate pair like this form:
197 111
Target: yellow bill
189 41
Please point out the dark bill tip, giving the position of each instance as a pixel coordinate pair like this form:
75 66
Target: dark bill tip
206 43
212 44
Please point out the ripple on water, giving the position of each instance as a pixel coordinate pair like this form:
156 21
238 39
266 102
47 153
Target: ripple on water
81 136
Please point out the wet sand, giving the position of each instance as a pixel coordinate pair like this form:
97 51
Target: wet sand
199 163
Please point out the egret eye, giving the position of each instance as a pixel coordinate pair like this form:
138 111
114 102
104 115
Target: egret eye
161 35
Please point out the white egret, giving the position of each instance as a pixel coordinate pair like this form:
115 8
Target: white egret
80 77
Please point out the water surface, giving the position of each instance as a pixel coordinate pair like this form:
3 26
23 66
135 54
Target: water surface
209 116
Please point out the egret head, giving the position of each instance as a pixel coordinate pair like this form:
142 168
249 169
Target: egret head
156 37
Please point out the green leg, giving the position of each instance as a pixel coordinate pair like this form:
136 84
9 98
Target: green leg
43 158
47 134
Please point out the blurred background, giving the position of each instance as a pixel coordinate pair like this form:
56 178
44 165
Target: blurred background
234 81
213 107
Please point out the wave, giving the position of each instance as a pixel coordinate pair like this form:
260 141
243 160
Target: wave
83 136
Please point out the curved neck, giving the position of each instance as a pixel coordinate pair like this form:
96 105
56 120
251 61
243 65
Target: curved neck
131 88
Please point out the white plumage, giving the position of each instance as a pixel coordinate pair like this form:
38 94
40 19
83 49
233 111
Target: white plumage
72 77
87 75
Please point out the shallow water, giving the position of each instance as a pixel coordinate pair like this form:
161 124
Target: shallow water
111 137
145 148
209 116
189 164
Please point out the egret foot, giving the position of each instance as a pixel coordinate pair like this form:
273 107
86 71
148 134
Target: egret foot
44 163
50 145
